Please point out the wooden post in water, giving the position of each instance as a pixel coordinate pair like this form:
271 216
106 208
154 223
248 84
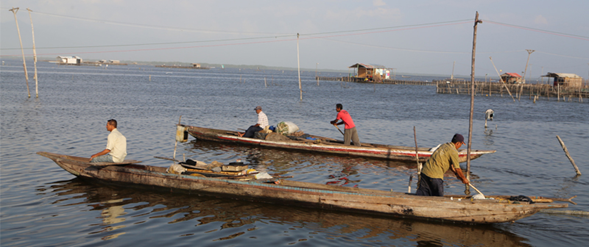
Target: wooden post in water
566 151
34 56
24 64
265 83
474 48
299 66
316 66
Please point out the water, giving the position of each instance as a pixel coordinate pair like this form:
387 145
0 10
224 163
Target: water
43 205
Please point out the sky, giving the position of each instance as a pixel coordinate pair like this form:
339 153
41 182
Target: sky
423 36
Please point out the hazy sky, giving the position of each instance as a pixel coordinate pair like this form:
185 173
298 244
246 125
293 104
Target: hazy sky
421 36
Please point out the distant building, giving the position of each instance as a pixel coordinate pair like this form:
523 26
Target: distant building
109 61
511 78
565 79
371 72
196 65
69 60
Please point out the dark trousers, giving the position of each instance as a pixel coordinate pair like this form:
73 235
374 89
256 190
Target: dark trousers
251 131
430 186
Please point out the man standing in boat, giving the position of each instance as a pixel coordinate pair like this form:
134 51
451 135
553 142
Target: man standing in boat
116 145
350 132
443 159
260 125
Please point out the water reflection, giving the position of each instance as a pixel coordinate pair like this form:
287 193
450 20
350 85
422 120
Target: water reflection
119 204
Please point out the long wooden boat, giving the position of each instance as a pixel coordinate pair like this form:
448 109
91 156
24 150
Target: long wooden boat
325 145
305 194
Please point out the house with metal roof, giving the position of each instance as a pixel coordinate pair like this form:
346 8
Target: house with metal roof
370 71
511 78
565 79
69 60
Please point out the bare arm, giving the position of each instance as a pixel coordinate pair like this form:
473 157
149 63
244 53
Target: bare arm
334 122
459 175
103 152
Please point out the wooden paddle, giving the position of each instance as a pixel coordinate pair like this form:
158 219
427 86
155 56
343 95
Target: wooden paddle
340 131
477 190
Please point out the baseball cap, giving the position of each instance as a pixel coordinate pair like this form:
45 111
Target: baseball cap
458 138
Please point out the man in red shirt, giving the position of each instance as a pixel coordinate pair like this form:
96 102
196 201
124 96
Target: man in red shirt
350 132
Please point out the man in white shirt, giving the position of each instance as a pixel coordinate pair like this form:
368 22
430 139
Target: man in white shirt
116 145
260 125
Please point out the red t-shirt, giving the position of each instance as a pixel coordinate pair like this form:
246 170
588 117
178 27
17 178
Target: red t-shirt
345 116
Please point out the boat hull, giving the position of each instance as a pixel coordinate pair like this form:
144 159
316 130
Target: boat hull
380 151
304 194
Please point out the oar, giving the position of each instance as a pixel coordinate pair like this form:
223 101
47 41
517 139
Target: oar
476 189
340 131
164 158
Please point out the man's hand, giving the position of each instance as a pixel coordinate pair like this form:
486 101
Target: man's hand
333 122
459 175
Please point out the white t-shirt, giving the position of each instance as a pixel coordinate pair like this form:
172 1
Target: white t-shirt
117 144
262 119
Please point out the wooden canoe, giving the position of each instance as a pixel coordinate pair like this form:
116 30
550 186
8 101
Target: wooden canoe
326 145
312 195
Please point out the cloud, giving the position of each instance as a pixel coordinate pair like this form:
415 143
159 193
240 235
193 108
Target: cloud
540 20
378 3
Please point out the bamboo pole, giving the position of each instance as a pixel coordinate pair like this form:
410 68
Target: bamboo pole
24 64
34 56
524 80
566 151
176 144
299 67
501 79
265 83
474 47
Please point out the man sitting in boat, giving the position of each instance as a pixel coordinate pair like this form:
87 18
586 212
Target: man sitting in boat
260 125
443 159
350 132
116 145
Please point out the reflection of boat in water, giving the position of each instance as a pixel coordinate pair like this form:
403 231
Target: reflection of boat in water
305 194
325 145
203 210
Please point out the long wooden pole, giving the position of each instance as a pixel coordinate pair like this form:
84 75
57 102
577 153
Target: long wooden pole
34 56
176 144
566 151
474 48
417 157
299 66
24 64
525 71
501 79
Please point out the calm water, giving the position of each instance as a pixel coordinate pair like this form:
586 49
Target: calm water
43 205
